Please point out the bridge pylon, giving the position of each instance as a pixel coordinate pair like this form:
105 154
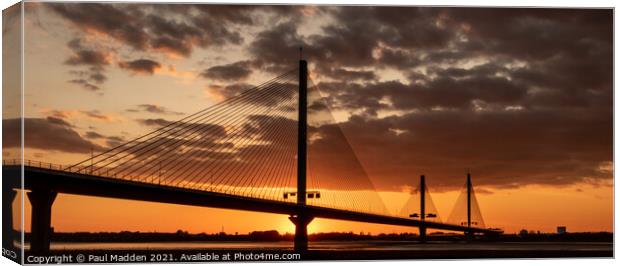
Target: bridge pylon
469 233
301 219
422 208
301 231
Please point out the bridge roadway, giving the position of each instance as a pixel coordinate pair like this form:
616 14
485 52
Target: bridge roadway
58 181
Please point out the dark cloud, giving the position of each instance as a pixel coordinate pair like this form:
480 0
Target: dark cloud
59 122
230 90
48 134
95 62
274 47
97 77
171 36
111 141
350 75
153 108
58 114
534 33
85 56
160 29
85 84
411 28
155 122
277 93
199 129
119 23
230 72
399 58
545 87
93 135
178 140
140 66
355 37
261 126
517 148
95 114
285 91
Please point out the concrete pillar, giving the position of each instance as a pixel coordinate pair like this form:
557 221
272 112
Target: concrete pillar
41 219
469 236
422 234
301 231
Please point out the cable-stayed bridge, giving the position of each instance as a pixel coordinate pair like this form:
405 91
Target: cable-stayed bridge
274 148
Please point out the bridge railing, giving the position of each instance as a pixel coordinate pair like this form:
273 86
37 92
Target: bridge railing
68 168
34 163
84 170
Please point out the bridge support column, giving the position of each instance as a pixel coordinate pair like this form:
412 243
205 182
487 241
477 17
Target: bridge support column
469 236
8 196
41 219
422 234
301 231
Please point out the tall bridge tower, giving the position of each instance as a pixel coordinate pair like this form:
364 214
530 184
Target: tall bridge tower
301 220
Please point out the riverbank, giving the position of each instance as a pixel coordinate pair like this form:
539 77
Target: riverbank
342 250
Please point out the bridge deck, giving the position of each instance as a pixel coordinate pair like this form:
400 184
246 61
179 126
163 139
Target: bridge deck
90 185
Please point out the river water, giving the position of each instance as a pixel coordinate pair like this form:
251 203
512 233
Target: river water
338 245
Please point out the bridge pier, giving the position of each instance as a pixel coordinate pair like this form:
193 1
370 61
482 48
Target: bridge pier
301 231
422 234
8 196
469 236
41 200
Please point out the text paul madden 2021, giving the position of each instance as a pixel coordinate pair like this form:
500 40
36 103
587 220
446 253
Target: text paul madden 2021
129 257
195 257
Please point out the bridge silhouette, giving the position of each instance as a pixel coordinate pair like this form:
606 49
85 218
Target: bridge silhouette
241 153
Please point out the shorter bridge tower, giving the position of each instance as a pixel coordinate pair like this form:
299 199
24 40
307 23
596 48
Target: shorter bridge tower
422 208
469 190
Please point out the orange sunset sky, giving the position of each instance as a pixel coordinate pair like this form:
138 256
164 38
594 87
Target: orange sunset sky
522 98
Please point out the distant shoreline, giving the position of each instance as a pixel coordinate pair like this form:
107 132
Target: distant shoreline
274 236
